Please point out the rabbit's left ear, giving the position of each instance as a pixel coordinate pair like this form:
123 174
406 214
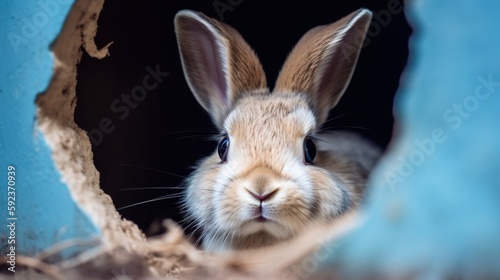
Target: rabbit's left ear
218 64
322 62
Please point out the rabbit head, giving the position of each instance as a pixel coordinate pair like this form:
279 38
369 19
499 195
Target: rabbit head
267 180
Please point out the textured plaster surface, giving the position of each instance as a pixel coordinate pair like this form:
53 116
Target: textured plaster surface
57 186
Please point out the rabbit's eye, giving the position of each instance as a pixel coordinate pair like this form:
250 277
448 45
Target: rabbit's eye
309 150
223 148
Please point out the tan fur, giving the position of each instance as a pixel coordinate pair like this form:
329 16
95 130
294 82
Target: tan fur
266 135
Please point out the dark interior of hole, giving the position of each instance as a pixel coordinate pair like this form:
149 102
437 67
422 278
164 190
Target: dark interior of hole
140 144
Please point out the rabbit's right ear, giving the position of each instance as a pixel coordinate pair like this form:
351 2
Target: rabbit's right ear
218 64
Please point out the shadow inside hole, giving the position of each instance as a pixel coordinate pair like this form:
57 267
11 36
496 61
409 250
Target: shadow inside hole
152 139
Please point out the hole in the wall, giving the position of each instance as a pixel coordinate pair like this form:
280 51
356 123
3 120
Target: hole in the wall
142 142
70 149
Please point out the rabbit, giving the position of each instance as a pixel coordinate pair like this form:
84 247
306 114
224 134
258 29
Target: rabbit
273 173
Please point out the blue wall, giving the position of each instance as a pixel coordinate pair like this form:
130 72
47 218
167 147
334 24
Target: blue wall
45 211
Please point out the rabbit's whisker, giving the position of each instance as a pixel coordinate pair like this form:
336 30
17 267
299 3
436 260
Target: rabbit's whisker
152 200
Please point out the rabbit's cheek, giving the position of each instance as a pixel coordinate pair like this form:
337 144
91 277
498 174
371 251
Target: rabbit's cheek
332 197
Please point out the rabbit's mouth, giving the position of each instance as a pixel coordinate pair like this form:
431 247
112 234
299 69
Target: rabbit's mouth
261 219
262 223
260 214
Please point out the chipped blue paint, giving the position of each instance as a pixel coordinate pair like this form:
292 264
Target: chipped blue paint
46 213
434 202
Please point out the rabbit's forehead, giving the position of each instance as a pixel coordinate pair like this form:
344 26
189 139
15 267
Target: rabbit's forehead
267 117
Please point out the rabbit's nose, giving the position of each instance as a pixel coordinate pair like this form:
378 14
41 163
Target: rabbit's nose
265 196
